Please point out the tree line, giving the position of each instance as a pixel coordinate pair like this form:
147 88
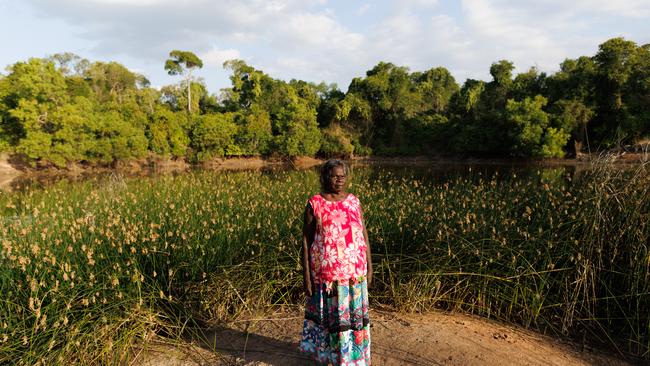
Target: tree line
65 109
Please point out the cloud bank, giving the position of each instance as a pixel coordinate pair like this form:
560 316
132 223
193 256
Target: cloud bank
318 40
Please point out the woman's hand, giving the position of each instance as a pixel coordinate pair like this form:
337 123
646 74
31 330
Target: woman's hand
369 278
309 289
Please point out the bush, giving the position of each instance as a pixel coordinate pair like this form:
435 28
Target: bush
335 142
213 136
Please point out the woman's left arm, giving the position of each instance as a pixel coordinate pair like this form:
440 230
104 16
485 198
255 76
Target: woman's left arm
368 253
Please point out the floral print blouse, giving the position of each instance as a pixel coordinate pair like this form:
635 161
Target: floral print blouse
339 248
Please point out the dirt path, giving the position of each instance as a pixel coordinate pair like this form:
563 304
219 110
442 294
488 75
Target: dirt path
432 339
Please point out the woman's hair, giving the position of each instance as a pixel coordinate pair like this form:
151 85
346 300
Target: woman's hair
326 171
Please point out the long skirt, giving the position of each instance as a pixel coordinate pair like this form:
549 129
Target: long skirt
336 329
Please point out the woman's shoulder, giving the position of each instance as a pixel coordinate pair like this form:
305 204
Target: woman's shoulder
315 197
353 198
315 200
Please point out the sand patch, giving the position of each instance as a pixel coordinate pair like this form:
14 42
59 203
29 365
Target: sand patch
437 338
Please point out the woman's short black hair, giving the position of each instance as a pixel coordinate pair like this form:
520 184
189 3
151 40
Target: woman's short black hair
326 171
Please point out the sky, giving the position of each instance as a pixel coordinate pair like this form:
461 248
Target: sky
319 40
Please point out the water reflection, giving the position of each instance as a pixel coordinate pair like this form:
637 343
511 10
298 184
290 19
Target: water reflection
434 173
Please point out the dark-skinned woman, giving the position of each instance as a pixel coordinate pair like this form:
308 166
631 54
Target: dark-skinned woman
337 272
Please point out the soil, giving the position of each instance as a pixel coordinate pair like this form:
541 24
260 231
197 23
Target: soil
438 338
7 171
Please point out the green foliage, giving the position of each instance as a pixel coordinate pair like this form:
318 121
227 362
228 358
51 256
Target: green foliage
167 135
527 122
255 132
335 142
110 81
175 96
436 87
553 142
292 109
296 131
572 115
214 136
384 108
183 63
502 72
67 109
622 92
180 61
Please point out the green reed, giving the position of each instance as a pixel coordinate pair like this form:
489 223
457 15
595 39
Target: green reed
89 269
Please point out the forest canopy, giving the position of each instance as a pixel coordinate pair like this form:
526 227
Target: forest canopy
64 109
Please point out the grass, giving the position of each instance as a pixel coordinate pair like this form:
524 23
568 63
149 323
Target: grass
89 269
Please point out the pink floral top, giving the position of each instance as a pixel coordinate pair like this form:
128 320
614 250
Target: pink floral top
339 248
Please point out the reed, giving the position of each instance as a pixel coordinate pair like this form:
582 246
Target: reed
90 269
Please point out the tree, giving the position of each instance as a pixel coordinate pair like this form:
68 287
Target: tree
167 134
110 81
183 63
291 107
527 123
391 94
68 62
176 98
335 142
502 72
255 132
436 87
615 60
572 116
213 135
30 95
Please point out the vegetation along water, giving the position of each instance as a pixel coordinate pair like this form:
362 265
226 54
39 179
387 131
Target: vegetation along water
89 268
63 109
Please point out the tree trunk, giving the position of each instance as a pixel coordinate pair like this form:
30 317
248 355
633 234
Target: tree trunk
189 96
577 146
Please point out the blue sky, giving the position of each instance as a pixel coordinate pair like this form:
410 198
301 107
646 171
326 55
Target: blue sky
319 40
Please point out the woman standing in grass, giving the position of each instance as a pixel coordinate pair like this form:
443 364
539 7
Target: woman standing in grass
337 271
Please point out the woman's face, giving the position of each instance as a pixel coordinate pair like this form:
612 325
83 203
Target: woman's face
337 179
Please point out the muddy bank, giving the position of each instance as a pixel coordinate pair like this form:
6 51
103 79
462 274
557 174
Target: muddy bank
15 173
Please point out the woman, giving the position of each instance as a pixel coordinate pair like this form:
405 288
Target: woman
337 272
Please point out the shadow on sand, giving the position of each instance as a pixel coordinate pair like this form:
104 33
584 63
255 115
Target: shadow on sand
243 346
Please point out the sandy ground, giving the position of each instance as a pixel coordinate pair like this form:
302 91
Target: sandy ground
7 172
437 338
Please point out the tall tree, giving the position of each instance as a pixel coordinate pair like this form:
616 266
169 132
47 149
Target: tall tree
183 63
615 61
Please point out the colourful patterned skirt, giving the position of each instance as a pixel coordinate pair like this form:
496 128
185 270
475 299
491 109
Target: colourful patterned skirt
336 329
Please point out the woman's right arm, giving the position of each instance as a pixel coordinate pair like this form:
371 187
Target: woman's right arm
308 230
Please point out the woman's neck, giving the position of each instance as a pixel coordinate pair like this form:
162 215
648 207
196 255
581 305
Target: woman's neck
334 196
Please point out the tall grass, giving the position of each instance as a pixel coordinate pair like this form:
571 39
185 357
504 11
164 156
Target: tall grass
87 269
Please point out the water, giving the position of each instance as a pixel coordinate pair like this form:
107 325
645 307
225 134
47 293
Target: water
433 173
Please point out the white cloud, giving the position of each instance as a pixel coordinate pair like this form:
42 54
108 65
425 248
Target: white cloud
317 30
217 57
129 2
422 3
363 9
624 8
307 40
